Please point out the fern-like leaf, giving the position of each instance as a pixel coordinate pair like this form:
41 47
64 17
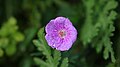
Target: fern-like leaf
98 26
64 62
56 57
40 62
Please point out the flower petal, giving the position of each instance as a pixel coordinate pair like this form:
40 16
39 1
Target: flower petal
53 38
71 33
60 20
50 27
65 45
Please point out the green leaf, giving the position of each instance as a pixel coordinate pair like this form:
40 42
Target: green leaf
18 37
10 49
110 5
42 48
106 53
10 36
1 52
4 42
88 29
12 21
99 47
64 62
108 49
56 57
112 15
42 45
41 37
112 57
40 62
98 26
41 33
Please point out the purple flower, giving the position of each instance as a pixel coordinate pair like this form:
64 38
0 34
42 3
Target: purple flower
60 33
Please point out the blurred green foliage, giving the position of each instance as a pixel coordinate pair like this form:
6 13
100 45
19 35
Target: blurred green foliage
9 37
97 23
99 26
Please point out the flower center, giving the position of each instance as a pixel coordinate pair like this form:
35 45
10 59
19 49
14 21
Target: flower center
62 33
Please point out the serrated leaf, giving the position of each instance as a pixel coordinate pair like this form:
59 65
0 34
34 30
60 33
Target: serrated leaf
40 33
87 33
106 54
40 62
56 57
108 49
112 15
112 57
64 62
41 37
101 19
99 47
110 5
41 47
36 43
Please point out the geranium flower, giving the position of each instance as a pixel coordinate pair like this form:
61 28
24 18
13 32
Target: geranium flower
60 33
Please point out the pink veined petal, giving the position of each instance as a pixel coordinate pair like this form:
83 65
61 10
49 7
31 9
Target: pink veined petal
66 45
50 27
49 40
60 20
53 40
67 22
63 20
59 23
72 33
